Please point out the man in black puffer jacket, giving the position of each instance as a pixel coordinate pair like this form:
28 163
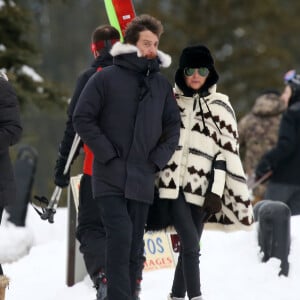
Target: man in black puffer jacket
128 116
284 159
90 230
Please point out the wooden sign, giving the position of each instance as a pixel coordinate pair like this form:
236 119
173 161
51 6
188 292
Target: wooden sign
158 251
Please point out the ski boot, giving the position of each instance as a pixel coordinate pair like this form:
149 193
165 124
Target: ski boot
101 286
137 290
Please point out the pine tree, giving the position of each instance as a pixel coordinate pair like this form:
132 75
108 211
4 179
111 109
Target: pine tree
19 57
253 42
43 103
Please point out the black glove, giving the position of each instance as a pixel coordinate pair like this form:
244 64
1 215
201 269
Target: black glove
262 168
212 203
60 179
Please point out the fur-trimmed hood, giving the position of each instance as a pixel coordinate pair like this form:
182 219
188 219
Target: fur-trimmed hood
120 48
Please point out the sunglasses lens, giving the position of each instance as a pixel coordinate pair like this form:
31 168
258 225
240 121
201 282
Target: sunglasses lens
189 71
289 75
203 72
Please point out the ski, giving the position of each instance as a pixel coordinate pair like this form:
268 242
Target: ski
120 13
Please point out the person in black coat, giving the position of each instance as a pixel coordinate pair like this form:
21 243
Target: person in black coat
90 230
10 134
284 159
127 115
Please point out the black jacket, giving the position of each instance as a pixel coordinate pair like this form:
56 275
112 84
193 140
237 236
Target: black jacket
284 159
128 116
100 62
10 133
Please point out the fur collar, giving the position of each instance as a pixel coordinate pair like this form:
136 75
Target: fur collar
120 48
3 75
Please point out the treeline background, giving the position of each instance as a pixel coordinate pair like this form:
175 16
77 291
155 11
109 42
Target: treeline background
253 42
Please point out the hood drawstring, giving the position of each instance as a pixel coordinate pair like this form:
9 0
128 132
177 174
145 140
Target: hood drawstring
205 129
212 116
197 97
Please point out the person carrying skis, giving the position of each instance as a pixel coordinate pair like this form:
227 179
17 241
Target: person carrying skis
128 117
204 179
284 159
90 231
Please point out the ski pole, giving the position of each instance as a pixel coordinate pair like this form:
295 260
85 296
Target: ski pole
50 210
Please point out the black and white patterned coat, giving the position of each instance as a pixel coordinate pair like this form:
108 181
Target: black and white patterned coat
208 133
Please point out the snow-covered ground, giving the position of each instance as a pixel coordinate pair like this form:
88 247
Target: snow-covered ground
230 268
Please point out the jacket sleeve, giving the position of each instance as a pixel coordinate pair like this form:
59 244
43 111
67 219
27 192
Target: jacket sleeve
243 132
10 124
287 140
86 118
69 133
217 183
162 153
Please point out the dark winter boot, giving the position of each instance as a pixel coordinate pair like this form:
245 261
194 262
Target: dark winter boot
101 286
137 290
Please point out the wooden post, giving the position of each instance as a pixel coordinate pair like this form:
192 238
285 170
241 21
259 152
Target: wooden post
76 270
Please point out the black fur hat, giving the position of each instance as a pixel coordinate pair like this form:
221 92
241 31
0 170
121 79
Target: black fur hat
196 57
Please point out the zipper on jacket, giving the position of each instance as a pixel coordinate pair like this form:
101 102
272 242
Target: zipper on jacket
148 69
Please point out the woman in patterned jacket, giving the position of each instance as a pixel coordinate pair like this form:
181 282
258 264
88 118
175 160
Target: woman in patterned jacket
204 177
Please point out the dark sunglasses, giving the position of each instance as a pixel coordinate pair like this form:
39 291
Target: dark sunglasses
201 71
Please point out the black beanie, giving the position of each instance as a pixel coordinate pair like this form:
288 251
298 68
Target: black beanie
196 57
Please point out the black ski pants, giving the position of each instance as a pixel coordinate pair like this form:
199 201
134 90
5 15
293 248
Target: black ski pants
188 222
90 230
124 220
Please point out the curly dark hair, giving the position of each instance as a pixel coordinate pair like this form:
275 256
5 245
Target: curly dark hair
142 23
